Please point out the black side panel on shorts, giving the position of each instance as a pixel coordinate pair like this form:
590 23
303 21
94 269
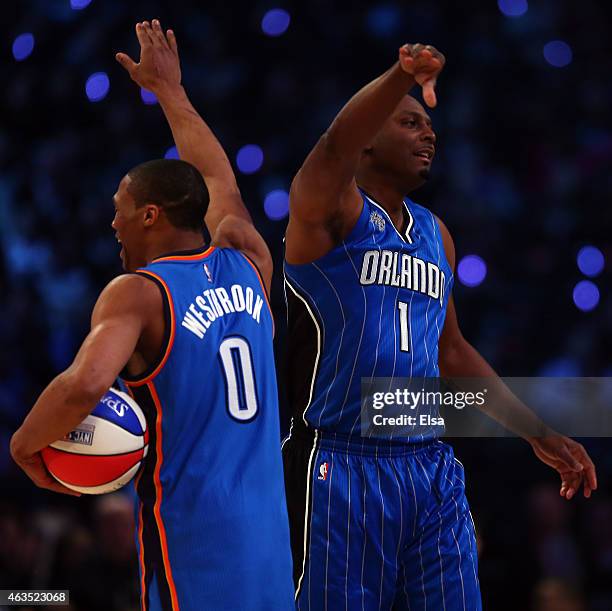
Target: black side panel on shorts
298 456
151 541
302 350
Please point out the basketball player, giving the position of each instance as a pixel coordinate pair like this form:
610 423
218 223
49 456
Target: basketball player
190 332
380 524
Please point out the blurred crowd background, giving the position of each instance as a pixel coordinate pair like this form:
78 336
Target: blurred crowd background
522 178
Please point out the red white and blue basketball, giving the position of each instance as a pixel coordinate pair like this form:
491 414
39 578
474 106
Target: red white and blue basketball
105 451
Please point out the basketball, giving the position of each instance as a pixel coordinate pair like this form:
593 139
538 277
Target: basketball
105 451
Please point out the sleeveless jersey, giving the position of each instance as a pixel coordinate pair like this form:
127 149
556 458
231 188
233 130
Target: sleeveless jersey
374 306
212 521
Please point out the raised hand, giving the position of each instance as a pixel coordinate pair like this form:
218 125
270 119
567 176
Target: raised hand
425 63
570 460
159 68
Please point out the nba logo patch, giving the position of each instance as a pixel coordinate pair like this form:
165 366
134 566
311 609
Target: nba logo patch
323 471
207 272
377 220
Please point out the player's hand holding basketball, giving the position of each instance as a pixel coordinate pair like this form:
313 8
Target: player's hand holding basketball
570 460
35 469
159 69
424 63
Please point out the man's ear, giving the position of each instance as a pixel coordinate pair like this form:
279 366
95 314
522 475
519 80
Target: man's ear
151 214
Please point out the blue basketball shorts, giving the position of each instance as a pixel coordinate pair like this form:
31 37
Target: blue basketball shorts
379 525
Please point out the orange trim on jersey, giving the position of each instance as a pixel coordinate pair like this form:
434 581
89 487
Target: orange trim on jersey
141 559
201 255
158 497
263 288
170 338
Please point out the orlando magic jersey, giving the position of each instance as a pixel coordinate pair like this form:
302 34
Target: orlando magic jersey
374 306
212 522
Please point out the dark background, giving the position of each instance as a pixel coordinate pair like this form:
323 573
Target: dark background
522 178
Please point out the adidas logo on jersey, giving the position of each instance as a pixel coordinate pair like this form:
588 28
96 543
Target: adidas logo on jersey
323 471
377 220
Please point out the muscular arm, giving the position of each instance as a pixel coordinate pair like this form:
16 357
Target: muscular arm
198 145
324 200
459 359
159 71
118 319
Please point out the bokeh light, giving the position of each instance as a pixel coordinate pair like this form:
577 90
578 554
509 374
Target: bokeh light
384 19
172 153
23 46
97 86
590 261
275 22
472 270
586 295
512 8
560 367
276 204
249 158
557 53
77 5
148 97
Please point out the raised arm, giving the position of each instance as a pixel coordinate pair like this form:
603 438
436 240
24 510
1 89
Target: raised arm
120 314
159 71
459 359
324 200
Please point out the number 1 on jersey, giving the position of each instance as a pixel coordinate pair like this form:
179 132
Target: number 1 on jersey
235 354
404 326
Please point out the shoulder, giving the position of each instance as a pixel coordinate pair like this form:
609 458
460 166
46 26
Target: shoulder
130 284
128 293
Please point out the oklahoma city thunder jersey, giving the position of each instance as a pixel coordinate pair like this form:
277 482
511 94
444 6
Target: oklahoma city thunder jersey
212 519
374 306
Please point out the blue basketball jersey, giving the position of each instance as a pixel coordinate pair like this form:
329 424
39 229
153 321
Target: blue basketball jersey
212 521
374 306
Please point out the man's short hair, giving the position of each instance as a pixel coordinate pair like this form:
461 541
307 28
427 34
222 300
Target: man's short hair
174 185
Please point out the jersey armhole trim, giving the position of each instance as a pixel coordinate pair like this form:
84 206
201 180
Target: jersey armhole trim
263 287
153 370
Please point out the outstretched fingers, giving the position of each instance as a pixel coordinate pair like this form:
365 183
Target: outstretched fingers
126 61
157 33
141 34
149 32
172 41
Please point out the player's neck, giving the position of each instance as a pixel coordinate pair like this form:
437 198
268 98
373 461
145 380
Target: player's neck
175 242
390 198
